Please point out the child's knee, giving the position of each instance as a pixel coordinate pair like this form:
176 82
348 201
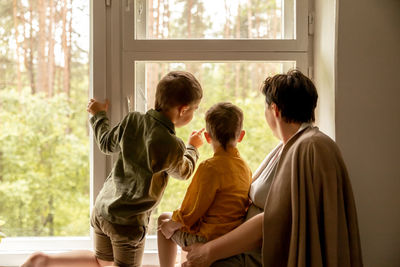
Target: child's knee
164 216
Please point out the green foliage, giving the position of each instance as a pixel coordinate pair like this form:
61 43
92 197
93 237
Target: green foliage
44 144
44 173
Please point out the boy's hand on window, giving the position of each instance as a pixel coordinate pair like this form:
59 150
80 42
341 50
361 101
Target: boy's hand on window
196 138
168 228
95 106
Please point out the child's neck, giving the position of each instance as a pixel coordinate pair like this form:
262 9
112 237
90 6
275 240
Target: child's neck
217 146
170 114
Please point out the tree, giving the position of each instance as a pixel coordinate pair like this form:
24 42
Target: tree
43 188
44 164
193 20
36 40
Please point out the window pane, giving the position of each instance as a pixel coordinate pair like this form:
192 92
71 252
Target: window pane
237 82
44 144
211 19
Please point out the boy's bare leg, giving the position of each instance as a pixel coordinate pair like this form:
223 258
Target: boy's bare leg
79 258
166 251
166 247
183 256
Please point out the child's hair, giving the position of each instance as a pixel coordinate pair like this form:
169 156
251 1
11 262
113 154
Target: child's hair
177 88
224 123
294 94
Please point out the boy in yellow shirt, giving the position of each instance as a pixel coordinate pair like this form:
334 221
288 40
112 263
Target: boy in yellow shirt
217 198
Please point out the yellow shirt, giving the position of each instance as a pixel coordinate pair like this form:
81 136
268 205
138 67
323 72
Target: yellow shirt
217 198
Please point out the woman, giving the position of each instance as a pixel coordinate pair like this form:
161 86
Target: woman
303 211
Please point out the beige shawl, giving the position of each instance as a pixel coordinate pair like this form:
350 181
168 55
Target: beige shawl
310 216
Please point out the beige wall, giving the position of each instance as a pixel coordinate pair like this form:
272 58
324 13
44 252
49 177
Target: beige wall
364 69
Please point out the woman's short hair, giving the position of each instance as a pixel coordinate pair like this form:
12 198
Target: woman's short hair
224 122
177 88
294 94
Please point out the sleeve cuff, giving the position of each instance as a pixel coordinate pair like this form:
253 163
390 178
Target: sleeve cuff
191 147
96 116
174 216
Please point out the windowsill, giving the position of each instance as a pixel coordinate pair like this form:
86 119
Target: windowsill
14 251
45 243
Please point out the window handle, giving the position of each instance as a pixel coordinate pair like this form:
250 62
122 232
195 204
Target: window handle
129 102
140 8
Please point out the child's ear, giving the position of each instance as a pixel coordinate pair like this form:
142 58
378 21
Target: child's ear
207 137
241 135
183 109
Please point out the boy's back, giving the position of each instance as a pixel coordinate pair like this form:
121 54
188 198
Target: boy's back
217 197
149 151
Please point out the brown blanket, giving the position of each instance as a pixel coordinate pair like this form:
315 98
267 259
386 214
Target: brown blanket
310 216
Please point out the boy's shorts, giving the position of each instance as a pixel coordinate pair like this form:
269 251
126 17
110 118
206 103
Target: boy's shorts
122 244
184 239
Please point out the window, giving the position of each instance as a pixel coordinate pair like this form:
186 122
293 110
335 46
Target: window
230 47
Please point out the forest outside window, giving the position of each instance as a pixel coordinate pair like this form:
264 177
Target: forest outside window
204 19
44 135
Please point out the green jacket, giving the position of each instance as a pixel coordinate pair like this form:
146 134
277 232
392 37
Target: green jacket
148 151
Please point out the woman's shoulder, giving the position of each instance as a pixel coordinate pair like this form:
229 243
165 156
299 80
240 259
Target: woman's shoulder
318 143
314 137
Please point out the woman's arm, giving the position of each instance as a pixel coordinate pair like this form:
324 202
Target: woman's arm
246 237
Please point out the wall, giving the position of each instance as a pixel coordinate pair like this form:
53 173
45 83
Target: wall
367 83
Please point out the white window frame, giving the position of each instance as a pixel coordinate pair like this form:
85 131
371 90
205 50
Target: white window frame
114 75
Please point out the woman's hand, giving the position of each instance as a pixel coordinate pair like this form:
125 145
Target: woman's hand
245 237
198 256
95 106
